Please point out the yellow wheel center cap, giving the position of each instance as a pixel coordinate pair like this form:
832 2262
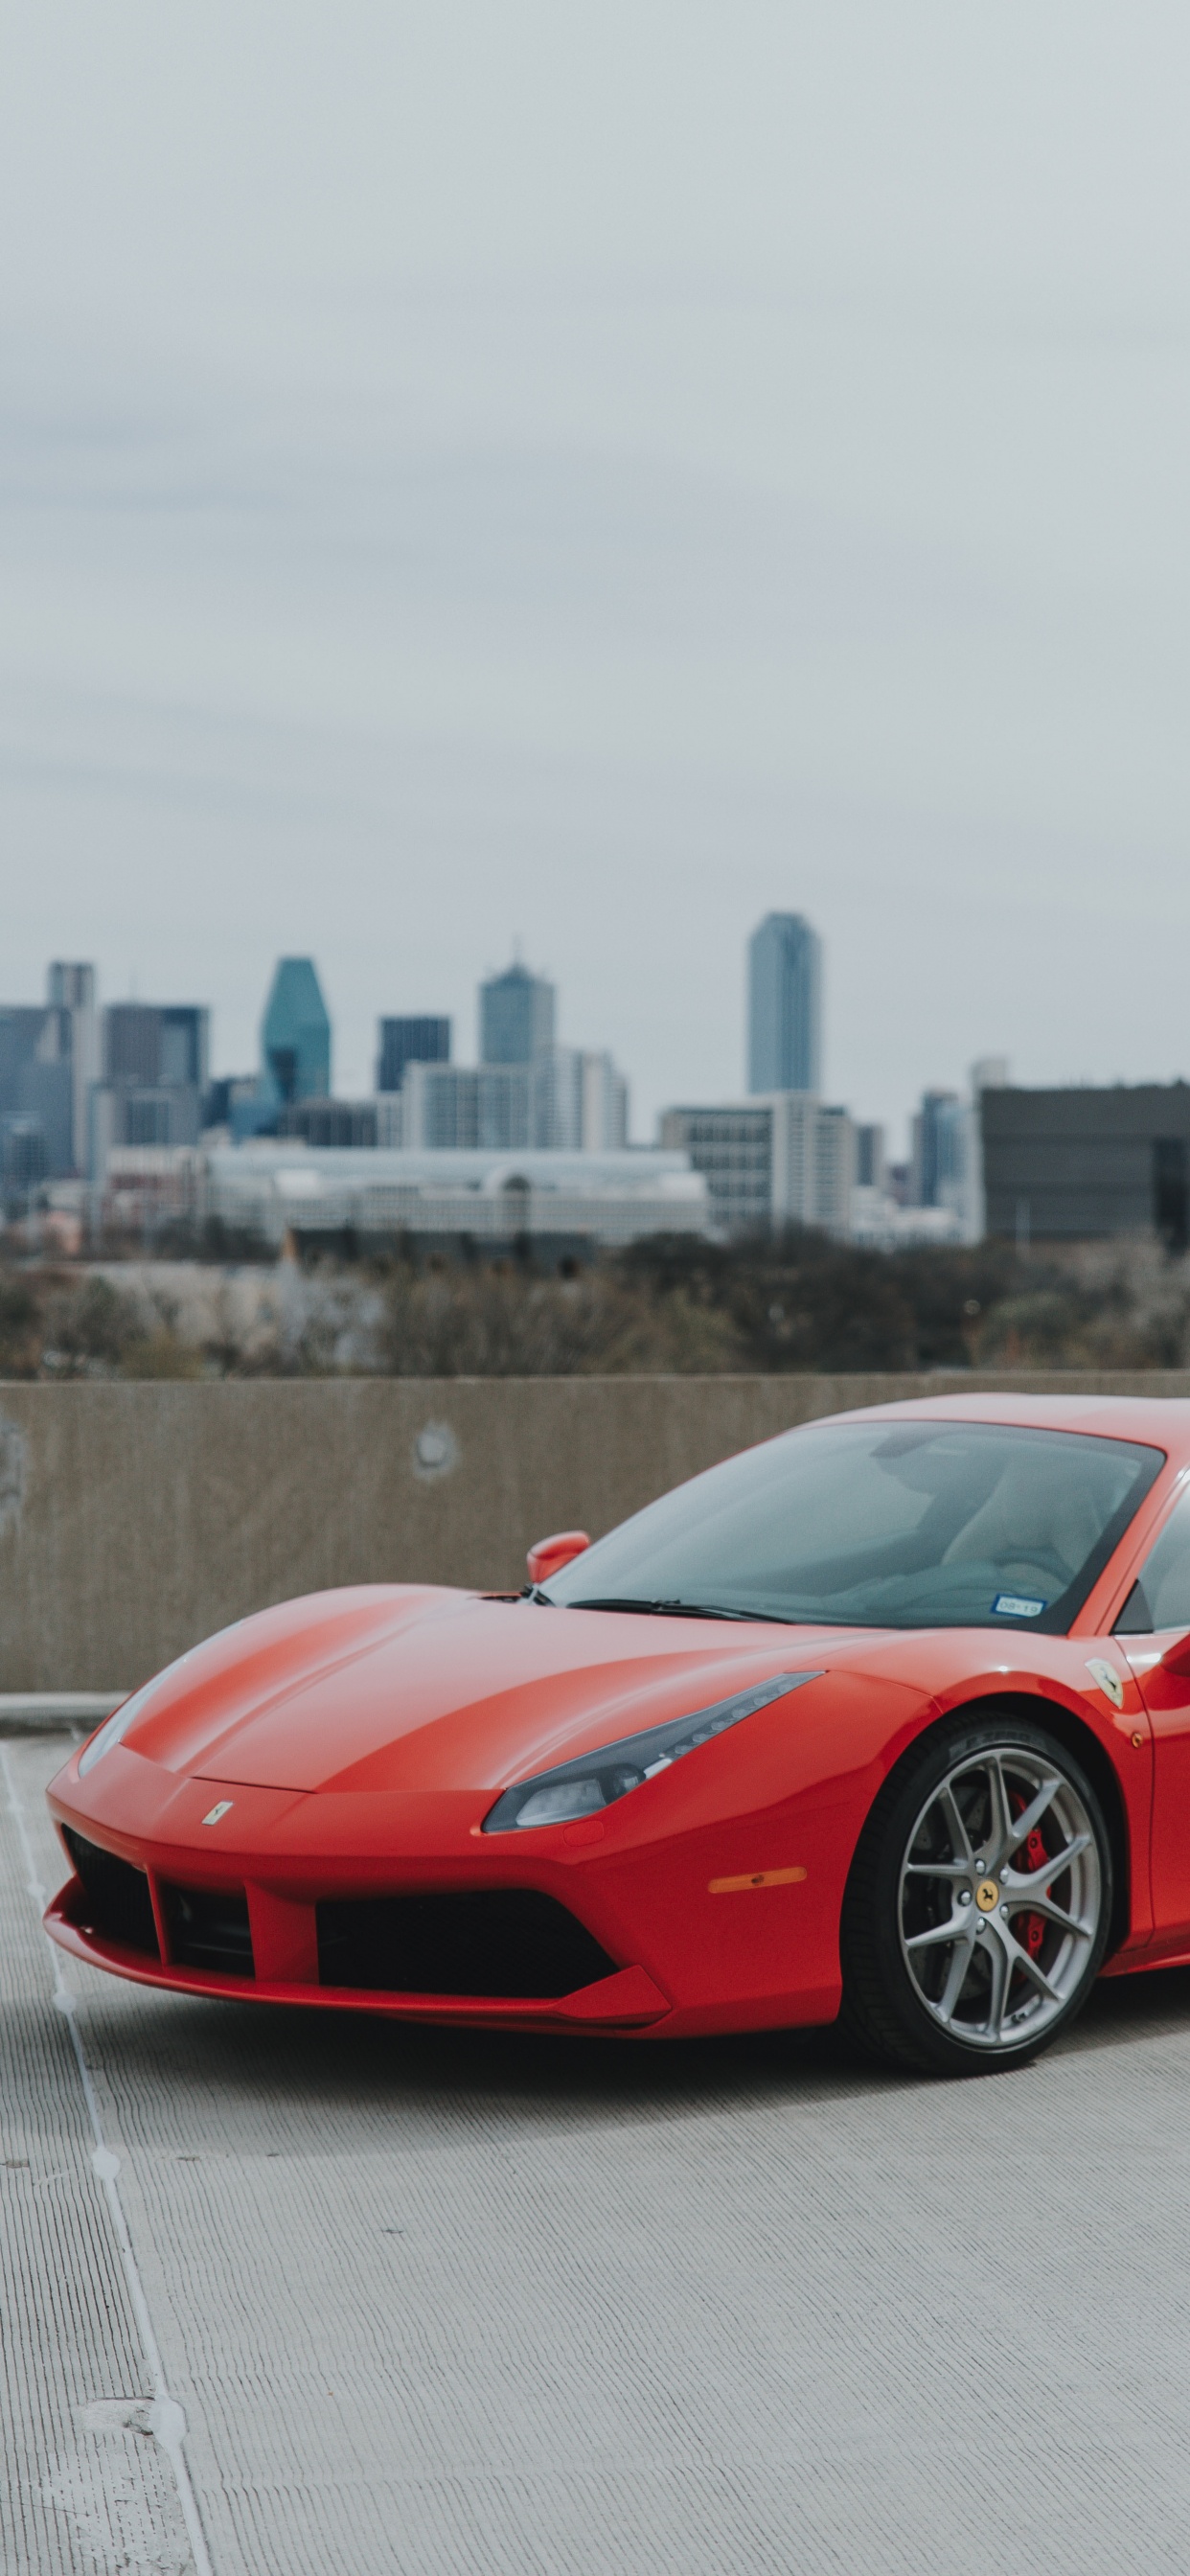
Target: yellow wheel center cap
987 1895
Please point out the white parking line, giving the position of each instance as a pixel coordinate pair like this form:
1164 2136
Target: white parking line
166 2416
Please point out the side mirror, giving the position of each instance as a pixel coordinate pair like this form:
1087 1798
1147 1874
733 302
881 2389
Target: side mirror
551 1554
1176 1658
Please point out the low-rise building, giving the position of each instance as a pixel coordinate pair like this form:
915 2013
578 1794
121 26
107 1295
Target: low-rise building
555 1202
331 1124
882 1224
1072 1164
450 1199
146 1187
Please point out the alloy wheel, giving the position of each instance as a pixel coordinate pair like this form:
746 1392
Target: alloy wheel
1000 1898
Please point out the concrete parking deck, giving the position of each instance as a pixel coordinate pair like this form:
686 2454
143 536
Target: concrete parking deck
433 2302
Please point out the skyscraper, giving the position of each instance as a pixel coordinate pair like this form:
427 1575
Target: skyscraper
516 1016
409 1041
70 986
154 1078
870 1158
937 1149
36 1083
295 1033
784 1005
156 1043
49 1058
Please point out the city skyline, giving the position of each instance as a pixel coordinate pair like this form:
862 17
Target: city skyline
378 581
364 1051
354 1048
166 1145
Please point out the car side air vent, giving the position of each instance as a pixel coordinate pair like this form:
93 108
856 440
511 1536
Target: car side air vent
209 1928
509 1941
118 1899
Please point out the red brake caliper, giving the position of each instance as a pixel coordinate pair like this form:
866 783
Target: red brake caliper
1036 1854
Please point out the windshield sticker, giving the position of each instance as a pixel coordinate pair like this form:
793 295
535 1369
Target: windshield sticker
1009 1605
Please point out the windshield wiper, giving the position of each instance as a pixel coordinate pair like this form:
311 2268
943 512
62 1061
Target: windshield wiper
683 1610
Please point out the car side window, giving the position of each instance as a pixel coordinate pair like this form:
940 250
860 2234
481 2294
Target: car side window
1160 1598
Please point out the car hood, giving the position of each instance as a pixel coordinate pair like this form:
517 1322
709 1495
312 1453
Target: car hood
386 1689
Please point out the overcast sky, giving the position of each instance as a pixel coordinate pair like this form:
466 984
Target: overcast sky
591 475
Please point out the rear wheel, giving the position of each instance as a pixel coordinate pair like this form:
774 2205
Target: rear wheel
977 1909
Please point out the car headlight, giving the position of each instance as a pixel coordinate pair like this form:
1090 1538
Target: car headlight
596 1780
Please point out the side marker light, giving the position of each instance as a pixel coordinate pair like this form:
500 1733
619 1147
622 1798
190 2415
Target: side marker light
755 1878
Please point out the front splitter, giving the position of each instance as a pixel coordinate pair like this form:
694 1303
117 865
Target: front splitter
627 2001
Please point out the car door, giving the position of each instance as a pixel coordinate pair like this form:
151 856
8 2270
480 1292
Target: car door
1155 1615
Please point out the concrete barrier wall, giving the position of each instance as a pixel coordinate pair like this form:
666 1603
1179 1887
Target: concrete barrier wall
134 1519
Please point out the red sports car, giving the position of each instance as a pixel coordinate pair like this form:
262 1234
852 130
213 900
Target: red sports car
889 1716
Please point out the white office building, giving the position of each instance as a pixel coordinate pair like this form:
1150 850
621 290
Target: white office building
786 1159
566 1100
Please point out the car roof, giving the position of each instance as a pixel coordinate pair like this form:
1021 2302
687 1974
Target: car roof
1163 1421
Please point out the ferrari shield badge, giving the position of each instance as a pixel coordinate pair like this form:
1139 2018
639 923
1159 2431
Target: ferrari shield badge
1106 1679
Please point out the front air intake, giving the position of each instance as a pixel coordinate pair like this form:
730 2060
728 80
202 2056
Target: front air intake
209 1928
506 1941
118 1900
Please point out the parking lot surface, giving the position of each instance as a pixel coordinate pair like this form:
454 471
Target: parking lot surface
405 2301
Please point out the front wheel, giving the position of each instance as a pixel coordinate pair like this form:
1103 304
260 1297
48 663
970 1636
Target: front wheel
977 1908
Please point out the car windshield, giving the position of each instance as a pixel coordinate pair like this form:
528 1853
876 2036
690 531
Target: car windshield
880 1524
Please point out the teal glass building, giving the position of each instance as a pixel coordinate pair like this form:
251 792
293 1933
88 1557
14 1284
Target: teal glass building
784 1005
295 1034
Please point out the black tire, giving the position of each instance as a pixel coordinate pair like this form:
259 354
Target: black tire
906 1923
